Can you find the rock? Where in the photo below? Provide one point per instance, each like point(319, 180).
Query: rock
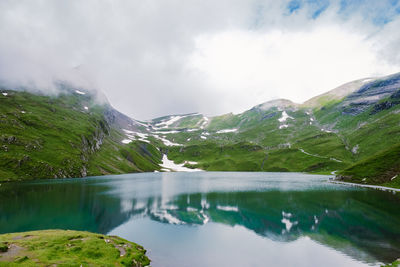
point(370, 94)
point(354, 150)
point(268, 116)
point(383, 106)
point(355, 108)
point(23, 160)
point(11, 139)
point(395, 95)
point(83, 171)
point(35, 145)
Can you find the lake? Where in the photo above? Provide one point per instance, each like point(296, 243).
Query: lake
point(218, 218)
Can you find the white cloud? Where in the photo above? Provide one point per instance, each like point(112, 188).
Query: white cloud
point(250, 67)
point(157, 57)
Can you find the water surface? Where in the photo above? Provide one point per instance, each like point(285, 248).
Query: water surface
point(218, 218)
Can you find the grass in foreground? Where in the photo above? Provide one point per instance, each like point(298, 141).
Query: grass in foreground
point(69, 248)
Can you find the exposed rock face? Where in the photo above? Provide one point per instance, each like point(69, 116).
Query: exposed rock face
point(93, 143)
point(396, 95)
point(354, 109)
point(271, 115)
point(337, 93)
point(8, 139)
point(370, 94)
point(118, 120)
point(383, 106)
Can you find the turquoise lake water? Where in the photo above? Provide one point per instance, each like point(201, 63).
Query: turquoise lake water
point(218, 218)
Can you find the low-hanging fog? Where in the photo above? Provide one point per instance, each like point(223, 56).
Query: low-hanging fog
point(153, 58)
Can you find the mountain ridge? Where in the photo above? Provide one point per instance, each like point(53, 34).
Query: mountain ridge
point(327, 133)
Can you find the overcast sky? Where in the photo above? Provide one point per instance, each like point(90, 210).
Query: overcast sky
point(158, 57)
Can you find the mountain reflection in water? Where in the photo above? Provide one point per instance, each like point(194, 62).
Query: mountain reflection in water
point(360, 223)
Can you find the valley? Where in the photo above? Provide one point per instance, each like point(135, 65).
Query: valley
point(344, 131)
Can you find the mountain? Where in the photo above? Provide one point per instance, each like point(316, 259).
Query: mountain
point(68, 135)
point(72, 135)
point(336, 94)
point(327, 133)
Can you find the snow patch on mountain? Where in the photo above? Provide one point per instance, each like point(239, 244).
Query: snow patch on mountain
point(204, 123)
point(165, 141)
point(191, 162)
point(284, 117)
point(169, 165)
point(283, 120)
point(227, 131)
point(166, 132)
point(354, 150)
point(135, 136)
point(172, 120)
point(141, 123)
point(80, 92)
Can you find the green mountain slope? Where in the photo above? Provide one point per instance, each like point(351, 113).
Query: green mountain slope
point(328, 133)
point(71, 135)
point(382, 168)
point(68, 135)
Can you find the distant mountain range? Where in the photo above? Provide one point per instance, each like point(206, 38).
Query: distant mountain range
point(352, 131)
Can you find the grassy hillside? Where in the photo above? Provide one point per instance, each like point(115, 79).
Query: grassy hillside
point(64, 136)
point(69, 248)
point(71, 135)
point(382, 168)
point(259, 140)
point(328, 133)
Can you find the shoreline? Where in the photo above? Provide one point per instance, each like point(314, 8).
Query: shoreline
point(376, 187)
point(2, 182)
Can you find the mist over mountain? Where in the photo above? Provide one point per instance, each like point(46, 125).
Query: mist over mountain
point(74, 134)
point(152, 58)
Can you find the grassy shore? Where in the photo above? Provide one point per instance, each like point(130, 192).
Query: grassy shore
point(69, 248)
point(380, 169)
point(394, 264)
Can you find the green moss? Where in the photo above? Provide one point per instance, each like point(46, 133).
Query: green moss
point(70, 248)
